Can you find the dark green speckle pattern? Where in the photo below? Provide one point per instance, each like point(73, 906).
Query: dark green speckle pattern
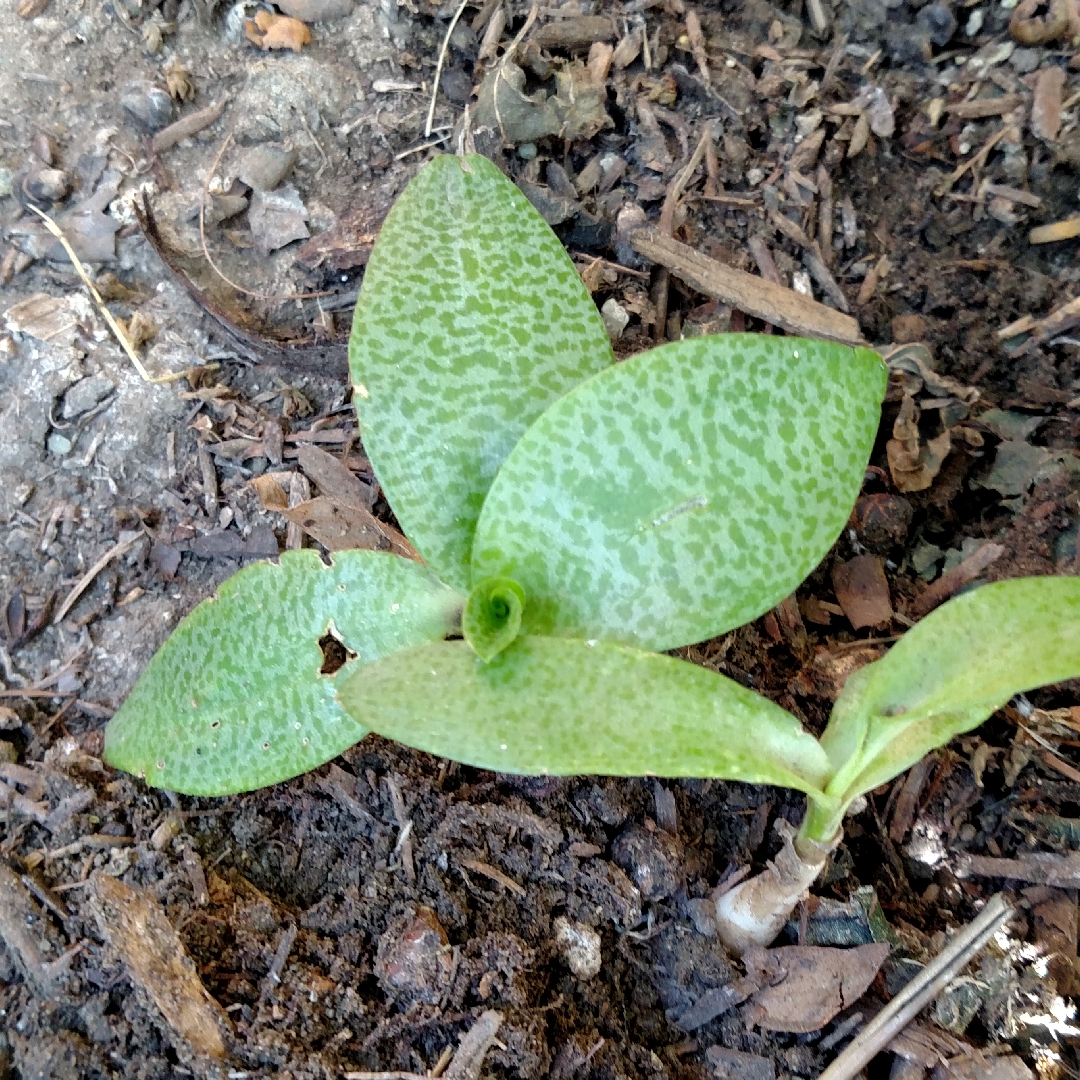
point(685, 491)
point(566, 708)
point(471, 321)
point(234, 700)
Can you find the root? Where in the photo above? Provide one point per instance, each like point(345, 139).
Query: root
point(756, 910)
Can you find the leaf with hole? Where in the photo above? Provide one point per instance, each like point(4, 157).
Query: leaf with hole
point(685, 491)
point(563, 707)
point(235, 699)
point(472, 321)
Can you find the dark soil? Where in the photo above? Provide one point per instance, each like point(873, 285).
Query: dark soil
point(364, 916)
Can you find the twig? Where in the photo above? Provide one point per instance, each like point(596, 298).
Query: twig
point(83, 583)
point(956, 578)
point(438, 66)
point(494, 874)
point(976, 159)
point(764, 300)
point(106, 314)
point(922, 989)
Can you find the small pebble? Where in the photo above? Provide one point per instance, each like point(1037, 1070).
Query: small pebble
point(616, 318)
point(58, 444)
point(412, 960)
point(649, 860)
point(580, 946)
point(702, 914)
point(46, 185)
point(148, 105)
point(939, 23)
point(265, 166)
point(1025, 60)
point(310, 11)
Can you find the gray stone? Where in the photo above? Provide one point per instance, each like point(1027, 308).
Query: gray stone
point(264, 167)
point(58, 443)
point(85, 394)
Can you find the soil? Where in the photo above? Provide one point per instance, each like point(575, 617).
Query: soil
point(364, 917)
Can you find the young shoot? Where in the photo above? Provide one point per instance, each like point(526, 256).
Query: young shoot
point(577, 518)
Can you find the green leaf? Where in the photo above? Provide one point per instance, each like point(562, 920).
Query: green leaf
point(948, 673)
point(492, 616)
point(564, 707)
point(684, 491)
point(234, 700)
point(471, 321)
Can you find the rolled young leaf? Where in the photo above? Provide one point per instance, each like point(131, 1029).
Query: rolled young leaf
point(471, 321)
point(492, 616)
point(563, 707)
point(948, 673)
point(684, 491)
point(234, 700)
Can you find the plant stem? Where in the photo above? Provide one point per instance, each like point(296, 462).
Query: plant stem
point(820, 824)
point(755, 911)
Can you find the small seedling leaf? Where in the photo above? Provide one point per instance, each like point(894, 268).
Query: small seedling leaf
point(472, 320)
point(949, 673)
point(565, 707)
point(235, 699)
point(492, 616)
point(684, 491)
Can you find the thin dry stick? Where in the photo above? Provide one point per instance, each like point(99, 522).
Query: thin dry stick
point(81, 585)
point(438, 66)
point(933, 978)
point(105, 312)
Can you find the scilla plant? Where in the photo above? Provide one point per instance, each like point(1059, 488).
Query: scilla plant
point(577, 518)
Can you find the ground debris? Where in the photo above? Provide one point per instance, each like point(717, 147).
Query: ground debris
point(806, 986)
point(158, 964)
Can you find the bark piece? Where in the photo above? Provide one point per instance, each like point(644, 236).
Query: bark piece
point(1037, 867)
point(333, 479)
point(782, 307)
point(155, 958)
point(735, 1065)
point(815, 983)
point(1046, 108)
point(862, 591)
point(18, 916)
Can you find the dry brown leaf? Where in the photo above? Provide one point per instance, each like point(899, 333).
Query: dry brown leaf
point(811, 984)
point(178, 82)
point(271, 494)
point(914, 466)
point(339, 527)
point(270, 31)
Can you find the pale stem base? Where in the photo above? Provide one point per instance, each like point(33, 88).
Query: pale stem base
point(756, 910)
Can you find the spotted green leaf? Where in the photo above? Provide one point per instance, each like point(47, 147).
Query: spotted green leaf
point(234, 700)
point(565, 707)
point(948, 673)
point(684, 491)
point(471, 321)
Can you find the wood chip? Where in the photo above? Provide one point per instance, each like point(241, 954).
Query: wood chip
point(158, 964)
point(763, 299)
point(187, 126)
point(863, 591)
point(1068, 229)
point(1046, 107)
point(571, 33)
point(494, 874)
point(956, 578)
point(980, 108)
point(1038, 867)
point(333, 479)
point(18, 917)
